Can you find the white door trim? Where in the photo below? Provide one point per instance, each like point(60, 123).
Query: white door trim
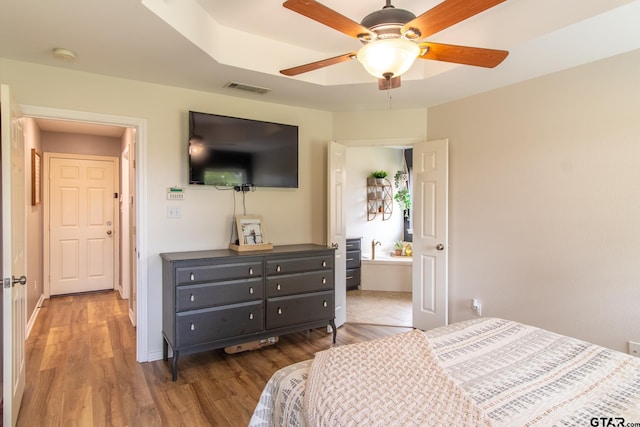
point(47, 214)
point(142, 333)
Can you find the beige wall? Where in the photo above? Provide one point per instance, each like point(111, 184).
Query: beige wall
point(545, 201)
point(74, 143)
point(378, 126)
point(290, 215)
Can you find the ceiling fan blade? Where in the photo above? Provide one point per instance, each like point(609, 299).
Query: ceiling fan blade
point(446, 14)
point(392, 83)
point(318, 64)
point(329, 17)
point(477, 56)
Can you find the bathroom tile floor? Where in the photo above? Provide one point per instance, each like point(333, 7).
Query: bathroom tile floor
point(379, 308)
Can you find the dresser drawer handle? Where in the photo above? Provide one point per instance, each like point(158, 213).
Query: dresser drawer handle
point(349, 245)
point(193, 326)
point(278, 287)
point(192, 298)
point(250, 316)
point(348, 259)
point(324, 263)
point(279, 311)
point(251, 272)
point(349, 277)
point(251, 290)
point(324, 303)
point(278, 268)
point(192, 277)
point(324, 281)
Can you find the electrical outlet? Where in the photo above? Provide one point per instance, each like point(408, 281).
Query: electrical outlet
point(634, 348)
point(476, 306)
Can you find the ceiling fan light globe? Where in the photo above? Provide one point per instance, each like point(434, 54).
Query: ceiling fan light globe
point(388, 57)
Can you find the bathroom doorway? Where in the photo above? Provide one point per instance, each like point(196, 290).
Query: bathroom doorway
point(383, 296)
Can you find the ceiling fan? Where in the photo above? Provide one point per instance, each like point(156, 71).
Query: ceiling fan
point(391, 38)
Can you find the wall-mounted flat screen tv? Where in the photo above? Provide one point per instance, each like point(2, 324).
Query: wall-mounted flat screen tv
point(231, 151)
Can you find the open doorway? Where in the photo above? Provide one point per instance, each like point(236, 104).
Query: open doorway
point(130, 280)
point(383, 293)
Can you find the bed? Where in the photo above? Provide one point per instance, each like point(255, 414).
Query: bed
point(511, 374)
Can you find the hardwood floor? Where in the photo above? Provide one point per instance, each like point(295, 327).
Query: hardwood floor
point(81, 370)
point(379, 308)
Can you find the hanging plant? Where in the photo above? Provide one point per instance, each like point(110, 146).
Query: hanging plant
point(403, 197)
point(400, 178)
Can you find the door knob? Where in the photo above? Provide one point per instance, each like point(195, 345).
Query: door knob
point(440, 247)
point(21, 280)
point(109, 232)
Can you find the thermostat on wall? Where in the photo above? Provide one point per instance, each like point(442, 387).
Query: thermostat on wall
point(175, 193)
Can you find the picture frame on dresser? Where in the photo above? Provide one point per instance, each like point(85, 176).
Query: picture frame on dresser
point(250, 230)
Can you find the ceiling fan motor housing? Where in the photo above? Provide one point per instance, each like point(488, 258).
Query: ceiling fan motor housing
point(387, 22)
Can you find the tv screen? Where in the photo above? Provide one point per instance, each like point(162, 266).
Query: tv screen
point(230, 151)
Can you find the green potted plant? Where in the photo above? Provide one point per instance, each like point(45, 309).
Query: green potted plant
point(379, 176)
point(403, 197)
point(398, 247)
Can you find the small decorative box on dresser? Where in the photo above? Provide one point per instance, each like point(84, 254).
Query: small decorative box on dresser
point(219, 298)
point(353, 262)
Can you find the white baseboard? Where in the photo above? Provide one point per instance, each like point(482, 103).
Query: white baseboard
point(34, 315)
point(156, 355)
point(132, 317)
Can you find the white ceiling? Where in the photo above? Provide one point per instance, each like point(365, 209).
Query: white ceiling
point(203, 44)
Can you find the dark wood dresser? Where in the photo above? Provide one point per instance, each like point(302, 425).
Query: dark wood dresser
point(220, 298)
point(354, 257)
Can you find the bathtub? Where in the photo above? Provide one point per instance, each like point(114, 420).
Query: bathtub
point(386, 273)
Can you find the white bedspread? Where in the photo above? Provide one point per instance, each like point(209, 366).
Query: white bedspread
point(517, 374)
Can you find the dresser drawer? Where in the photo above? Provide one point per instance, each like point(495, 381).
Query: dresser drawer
point(296, 265)
point(353, 244)
point(297, 309)
point(190, 297)
point(353, 259)
point(288, 284)
point(201, 326)
point(218, 272)
point(353, 278)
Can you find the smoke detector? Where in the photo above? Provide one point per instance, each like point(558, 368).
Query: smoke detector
point(65, 54)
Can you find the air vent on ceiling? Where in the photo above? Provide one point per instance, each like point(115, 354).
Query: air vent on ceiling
point(247, 88)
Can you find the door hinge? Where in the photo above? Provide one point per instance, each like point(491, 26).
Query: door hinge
point(7, 282)
point(115, 195)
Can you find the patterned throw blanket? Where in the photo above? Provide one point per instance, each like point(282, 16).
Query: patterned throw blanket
point(387, 382)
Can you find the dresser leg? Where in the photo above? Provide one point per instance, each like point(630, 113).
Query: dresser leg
point(174, 370)
point(165, 349)
point(335, 330)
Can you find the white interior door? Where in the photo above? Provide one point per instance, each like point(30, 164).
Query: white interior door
point(83, 217)
point(430, 233)
point(336, 227)
point(14, 316)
